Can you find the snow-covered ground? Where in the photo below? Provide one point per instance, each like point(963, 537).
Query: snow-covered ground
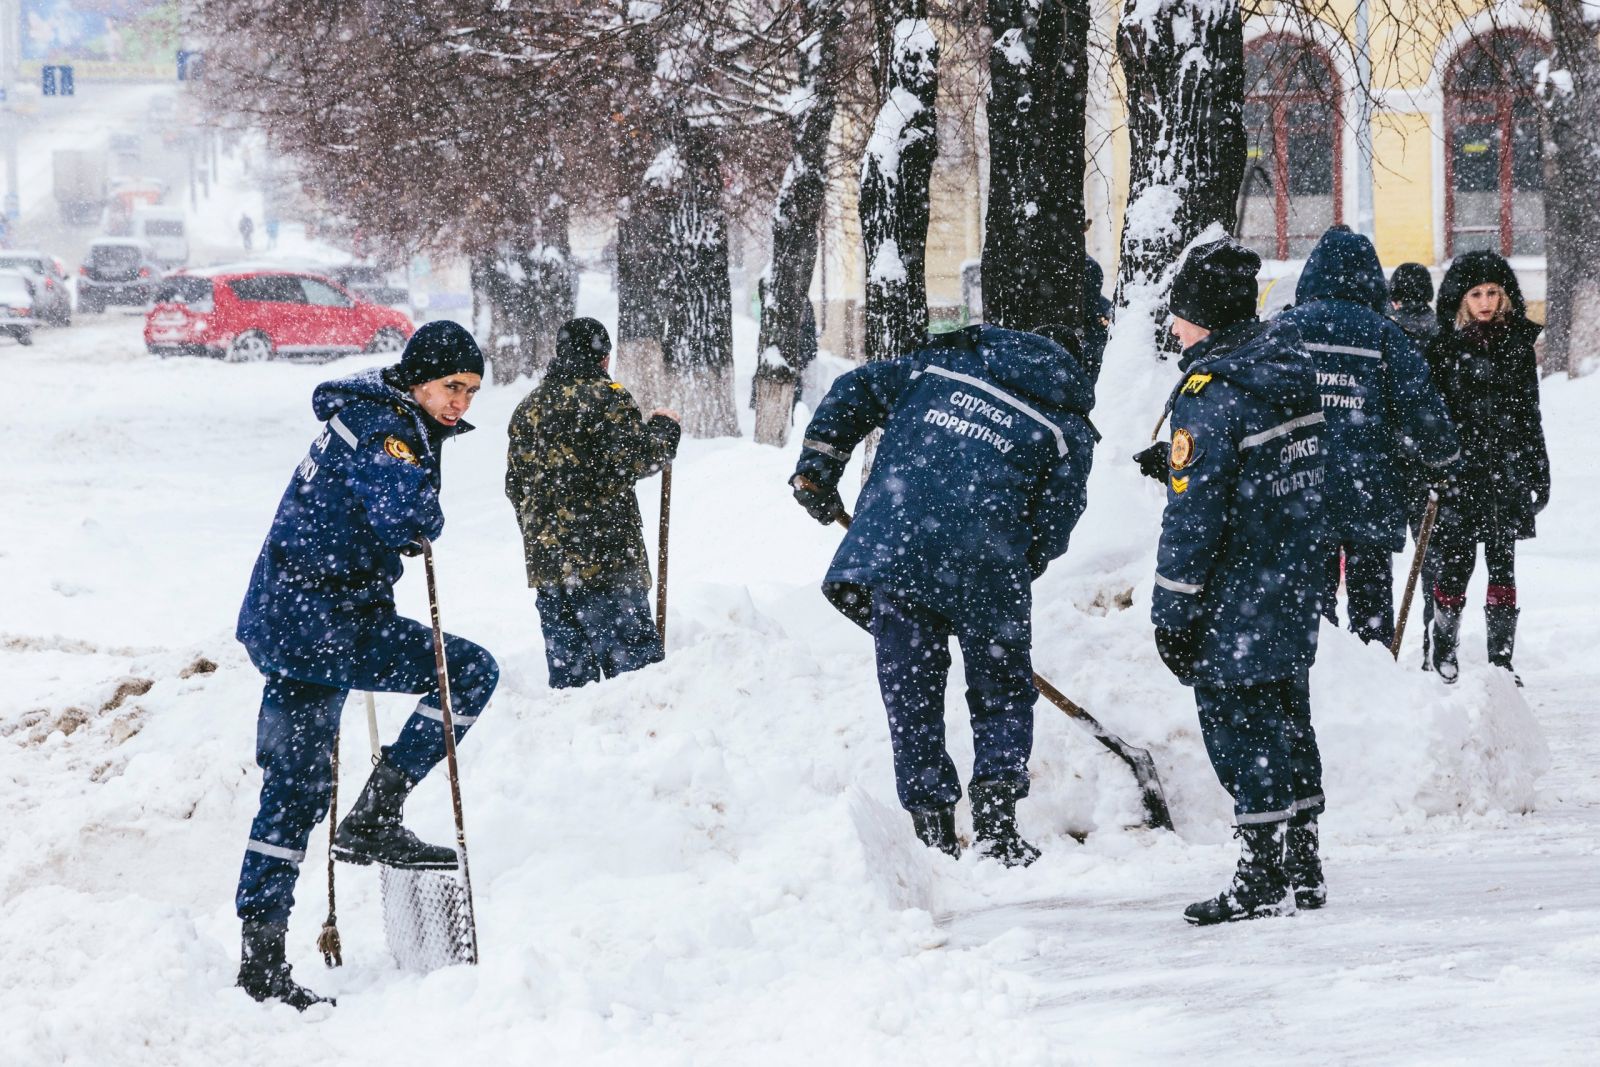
point(703, 863)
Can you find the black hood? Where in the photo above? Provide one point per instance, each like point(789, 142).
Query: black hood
point(1467, 273)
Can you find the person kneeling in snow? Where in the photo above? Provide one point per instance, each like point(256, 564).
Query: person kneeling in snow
point(319, 620)
point(978, 481)
point(1236, 601)
point(577, 446)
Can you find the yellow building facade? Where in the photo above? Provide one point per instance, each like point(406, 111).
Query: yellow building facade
point(1455, 153)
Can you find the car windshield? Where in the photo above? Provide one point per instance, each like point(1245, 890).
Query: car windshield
point(193, 293)
point(269, 288)
point(360, 276)
point(14, 290)
point(114, 257)
point(163, 227)
point(22, 263)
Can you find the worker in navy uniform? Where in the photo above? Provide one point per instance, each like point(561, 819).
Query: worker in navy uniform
point(319, 620)
point(1385, 421)
point(1235, 604)
point(976, 485)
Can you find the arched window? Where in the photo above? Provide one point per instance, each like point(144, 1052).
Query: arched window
point(1292, 187)
point(1494, 170)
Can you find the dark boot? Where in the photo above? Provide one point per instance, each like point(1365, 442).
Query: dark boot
point(1260, 886)
point(936, 828)
point(994, 823)
point(1502, 623)
point(263, 972)
point(1446, 635)
point(1305, 864)
point(371, 832)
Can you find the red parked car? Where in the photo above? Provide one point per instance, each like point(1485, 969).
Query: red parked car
point(248, 315)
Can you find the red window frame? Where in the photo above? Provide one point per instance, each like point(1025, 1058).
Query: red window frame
point(1279, 101)
point(1502, 100)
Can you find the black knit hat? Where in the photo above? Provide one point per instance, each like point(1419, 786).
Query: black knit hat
point(1411, 284)
point(1216, 285)
point(437, 350)
point(582, 346)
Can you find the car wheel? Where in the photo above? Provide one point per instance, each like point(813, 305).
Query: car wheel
point(24, 337)
point(386, 340)
point(86, 306)
point(252, 346)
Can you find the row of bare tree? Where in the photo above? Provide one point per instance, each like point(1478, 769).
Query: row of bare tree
point(486, 127)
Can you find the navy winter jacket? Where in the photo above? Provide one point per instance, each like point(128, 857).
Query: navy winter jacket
point(977, 482)
point(1384, 414)
point(1240, 562)
point(368, 487)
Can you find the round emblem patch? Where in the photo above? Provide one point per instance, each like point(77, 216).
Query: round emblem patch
point(400, 450)
point(1182, 449)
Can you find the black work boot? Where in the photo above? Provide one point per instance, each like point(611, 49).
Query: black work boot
point(1304, 864)
point(936, 828)
point(1502, 624)
point(371, 832)
point(263, 972)
point(994, 823)
point(1260, 886)
point(1446, 635)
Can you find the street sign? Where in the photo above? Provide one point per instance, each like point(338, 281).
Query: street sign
point(56, 80)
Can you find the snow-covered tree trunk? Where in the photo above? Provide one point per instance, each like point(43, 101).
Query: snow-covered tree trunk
point(1571, 93)
point(1184, 65)
point(637, 362)
point(697, 297)
point(1033, 250)
point(895, 172)
point(788, 335)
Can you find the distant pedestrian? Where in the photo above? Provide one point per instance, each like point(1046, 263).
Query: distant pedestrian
point(1239, 568)
point(1484, 363)
point(272, 231)
point(577, 446)
point(247, 230)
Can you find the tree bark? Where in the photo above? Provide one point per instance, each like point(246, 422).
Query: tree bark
point(640, 238)
point(1572, 200)
point(1184, 65)
point(788, 334)
point(1033, 251)
point(895, 173)
point(697, 304)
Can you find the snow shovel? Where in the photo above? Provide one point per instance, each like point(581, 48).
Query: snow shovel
point(661, 556)
point(1138, 759)
point(428, 916)
point(1429, 514)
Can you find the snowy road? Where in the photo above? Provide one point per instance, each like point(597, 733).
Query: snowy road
point(702, 863)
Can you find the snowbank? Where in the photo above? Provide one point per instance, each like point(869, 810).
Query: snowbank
point(697, 863)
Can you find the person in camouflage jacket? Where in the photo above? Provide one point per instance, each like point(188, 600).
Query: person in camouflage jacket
point(577, 445)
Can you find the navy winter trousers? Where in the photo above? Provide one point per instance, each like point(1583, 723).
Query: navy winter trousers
point(591, 632)
point(1262, 746)
point(1369, 590)
point(295, 734)
point(913, 644)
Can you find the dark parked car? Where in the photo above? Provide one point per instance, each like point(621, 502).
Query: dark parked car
point(16, 306)
point(53, 299)
point(117, 270)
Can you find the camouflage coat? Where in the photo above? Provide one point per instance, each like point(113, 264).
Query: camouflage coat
point(577, 445)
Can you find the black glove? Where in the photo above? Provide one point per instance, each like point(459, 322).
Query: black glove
point(1541, 497)
point(1178, 651)
point(1153, 461)
point(821, 504)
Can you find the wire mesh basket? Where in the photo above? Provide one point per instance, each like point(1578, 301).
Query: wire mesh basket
point(427, 918)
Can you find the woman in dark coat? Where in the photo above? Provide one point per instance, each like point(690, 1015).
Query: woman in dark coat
point(1483, 364)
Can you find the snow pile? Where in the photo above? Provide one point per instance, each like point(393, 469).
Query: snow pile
point(700, 862)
